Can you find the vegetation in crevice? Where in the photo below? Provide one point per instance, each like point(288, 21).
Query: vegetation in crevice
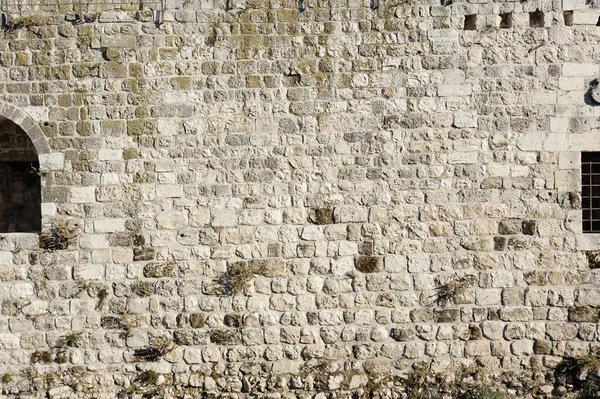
point(21, 22)
point(583, 373)
point(453, 290)
point(238, 277)
point(102, 295)
point(155, 351)
point(71, 340)
point(60, 236)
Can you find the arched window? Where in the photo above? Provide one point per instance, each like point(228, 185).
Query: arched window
point(20, 187)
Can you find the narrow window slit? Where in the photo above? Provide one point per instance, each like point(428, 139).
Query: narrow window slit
point(506, 20)
point(470, 22)
point(568, 17)
point(536, 19)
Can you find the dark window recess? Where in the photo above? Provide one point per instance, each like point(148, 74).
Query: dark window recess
point(20, 189)
point(536, 19)
point(598, 23)
point(19, 197)
point(590, 191)
point(568, 17)
point(506, 20)
point(470, 22)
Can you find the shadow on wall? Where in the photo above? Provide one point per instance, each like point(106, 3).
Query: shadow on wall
point(592, 96)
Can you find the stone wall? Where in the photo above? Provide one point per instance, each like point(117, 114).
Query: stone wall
point(261, 190)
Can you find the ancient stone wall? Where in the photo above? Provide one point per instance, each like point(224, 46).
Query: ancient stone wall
point(233, 195)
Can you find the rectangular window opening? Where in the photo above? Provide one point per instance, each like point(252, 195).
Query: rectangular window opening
point(506, 20)
point(568, 17)
point(470, 22)
point(590, 191)
point(536, 19)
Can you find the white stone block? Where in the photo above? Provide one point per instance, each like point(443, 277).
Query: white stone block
point(568, 180)
point(584, 142)
point(168, 127)
point(88, 272)
point(463, 157)
point(465, 120)
point(580, 69)
point(570, 83)
point(569, 160)
point(6, 258)
point(585, 17)
point(223, 218)
point(559, 125)
point(443, 35)
point(110, 155)
point(22, 290)
point(48, 209)
point(9, 341)
point(109, 225)
point(169, 191)
point(93, 241)
point(454, 90)
point(171, 220)
point(83, 195)
point(531, 141)
point(52, 161)
point(498, 170)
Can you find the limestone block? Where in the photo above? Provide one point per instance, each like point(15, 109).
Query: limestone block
point(169, 191)
point(109, 225)
point(561, 331)
point(51, 161)
point(194, 355)
point(93, 241)
point(110, 155)
point(585, 17)
point(569, 160)
point(81, 195)
point(516, 313)
point(223, 218)
point(171, 220)
point(580, 69)
point(88, 272)
point(22, 290)
point(477, 348)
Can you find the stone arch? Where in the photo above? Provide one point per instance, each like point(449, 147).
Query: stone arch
point(24, 154)
point(29, 126)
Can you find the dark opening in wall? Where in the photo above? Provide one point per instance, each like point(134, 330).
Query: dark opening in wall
point(536, 19)
point(20, 188)
point(598, 23)
point(568, 17)
point(470, 22)
point(506, 20)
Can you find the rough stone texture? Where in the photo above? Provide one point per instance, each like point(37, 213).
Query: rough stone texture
point(354, 160)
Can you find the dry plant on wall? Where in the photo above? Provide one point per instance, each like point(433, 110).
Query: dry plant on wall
point(239, 276)
point(453, 290)
point(60, 236)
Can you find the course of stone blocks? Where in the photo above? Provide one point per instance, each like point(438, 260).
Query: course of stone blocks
point(238, 191)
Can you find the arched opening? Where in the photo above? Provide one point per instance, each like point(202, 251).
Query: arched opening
point(20, 183)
